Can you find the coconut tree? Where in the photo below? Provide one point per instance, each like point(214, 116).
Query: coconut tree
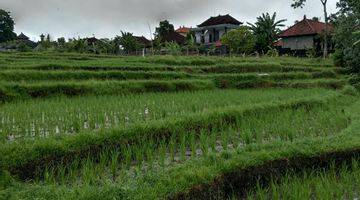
point(266, 30)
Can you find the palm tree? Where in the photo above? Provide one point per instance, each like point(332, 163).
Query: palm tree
point(266, 30)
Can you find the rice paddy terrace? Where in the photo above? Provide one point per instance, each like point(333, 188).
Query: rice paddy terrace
point(102, 127)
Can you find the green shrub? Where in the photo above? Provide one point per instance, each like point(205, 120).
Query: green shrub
point(352, 58)
point(338, 58)
point(272, 52)
point(173, 48)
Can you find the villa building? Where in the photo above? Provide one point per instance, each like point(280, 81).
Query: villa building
point(210, 31)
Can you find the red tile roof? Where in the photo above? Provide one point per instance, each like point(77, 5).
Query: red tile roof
point(306, 27)
point(221, 19)
point(183, 29)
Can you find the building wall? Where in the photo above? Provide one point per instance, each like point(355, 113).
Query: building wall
point(221, 32)
point(207, 35)
point(298, 43)
point(198, 37)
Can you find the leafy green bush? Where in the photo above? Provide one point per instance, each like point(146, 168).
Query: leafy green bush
point(272, 52)
point(173, 48)
point(352, 59)
point(338, 57)
point(239, 41)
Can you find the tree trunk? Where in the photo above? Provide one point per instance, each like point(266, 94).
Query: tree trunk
point(324, 2)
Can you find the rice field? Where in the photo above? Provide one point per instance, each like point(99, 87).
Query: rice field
point(104, 127)
point(335, 183)
point(46, 117)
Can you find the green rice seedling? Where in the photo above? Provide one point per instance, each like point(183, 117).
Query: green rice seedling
point(213, 140)
point(225, 139)
point(139, 155)
point(88, 174)
point(127, 154)
point(104, 158)
point(162, 154)
point(172, 148)
point(247, 136)
point(149, 152)
point(58, 117)
point(49, 176)
point(193, 144)
point(73, 170)
point(183, 147)
point(114, 165)
point(61, 174)
point(338, 182)
point(204, 142)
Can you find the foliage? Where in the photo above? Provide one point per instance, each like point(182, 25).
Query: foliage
point(6, 27)
point(45, 43)
point(164, 28)
point(347, 23)
point(239, 41)
point(272, 52)
point(311, 53)
point(173, 48)
point(338, 57)
point(77, 45)
point(127, 42)
point(61, 44)
point(191, 43)
point(352, 59)
point(266, 30)
point(23, 47)
point(357, 34)
point(104, 46)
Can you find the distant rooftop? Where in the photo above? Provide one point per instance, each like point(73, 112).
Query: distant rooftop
point(174, 37)
point(142, 40)
point(306, 27)
point(183, 30)
point(22, 36)
point(221, 19)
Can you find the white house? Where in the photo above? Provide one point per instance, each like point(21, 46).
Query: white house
point(210, 31)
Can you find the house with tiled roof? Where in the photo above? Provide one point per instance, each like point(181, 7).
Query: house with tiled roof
point(143, 41)
point(182, 30)
point(304, 35)
point(210, 31)
point(174, 37)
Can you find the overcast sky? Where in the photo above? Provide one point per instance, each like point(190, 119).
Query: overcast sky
point(106, 18)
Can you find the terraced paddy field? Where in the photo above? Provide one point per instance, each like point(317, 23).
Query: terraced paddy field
point(103, 127)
